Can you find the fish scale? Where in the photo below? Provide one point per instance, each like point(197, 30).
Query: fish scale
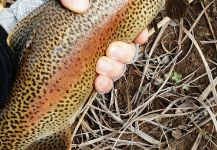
point(56, 70)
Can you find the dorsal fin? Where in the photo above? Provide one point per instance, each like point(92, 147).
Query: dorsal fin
point(57, 141)
point(176, 9)
point(23, 30)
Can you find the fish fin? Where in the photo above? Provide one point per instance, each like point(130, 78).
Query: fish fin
point(176, 9)
point(57, 141)
point(23, 31)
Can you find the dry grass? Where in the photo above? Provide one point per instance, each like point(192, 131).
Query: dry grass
point(154, 106)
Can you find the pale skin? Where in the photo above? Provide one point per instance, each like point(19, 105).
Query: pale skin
point(118, 53)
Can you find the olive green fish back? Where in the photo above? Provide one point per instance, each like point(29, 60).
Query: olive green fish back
point(57, 70)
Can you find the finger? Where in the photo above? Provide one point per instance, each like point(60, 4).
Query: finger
point(121, 52)
point(103, 84)
point(78, 6)
point(142, 37)
point(110, 68)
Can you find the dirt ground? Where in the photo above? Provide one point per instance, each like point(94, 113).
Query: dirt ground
point(190, 63)
point(175, 133)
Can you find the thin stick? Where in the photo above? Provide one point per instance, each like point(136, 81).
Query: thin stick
point(204, 61)
point(210, 25)
point(87, 107)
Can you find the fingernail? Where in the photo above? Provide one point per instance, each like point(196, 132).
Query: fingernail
point(116, 51)
point(142, 37)
point(104, 65)
point(111, 68)
point(103, 84)
point(121, 52)
point(124, 70)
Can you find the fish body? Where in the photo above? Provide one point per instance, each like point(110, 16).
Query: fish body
point(56, 71)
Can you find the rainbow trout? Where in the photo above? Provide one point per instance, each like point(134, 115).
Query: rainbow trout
point(57, 67)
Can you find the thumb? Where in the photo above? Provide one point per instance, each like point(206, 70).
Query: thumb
point(78, 6)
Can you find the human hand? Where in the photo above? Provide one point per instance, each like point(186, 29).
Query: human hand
point(112, 66)
point(118, 53)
